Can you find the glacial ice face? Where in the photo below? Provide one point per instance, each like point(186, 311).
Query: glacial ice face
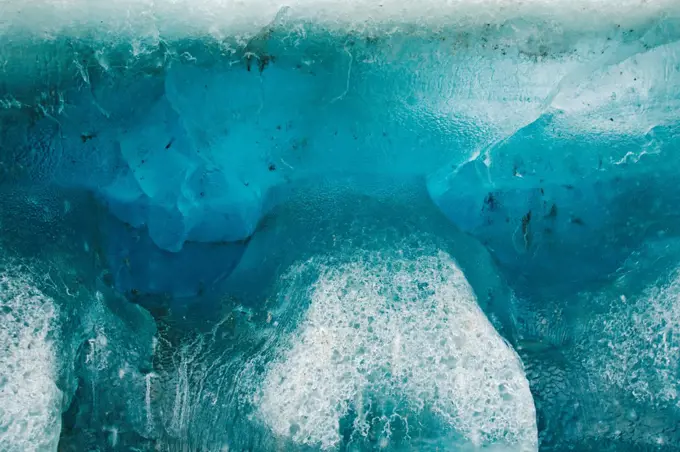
point(201, 199)
point(186, 141)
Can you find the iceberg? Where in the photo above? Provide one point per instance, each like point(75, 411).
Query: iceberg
point(322, 225)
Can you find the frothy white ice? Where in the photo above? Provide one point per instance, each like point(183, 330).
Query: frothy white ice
point(640, 340)
point(30, 401)
point(407, 329)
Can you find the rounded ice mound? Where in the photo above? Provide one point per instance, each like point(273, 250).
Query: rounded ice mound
point(390, 340)
point(30, 401)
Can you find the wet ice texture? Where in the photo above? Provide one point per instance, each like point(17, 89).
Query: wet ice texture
point(545, 134)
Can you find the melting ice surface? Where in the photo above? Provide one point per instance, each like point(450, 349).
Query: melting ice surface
point(359, 225)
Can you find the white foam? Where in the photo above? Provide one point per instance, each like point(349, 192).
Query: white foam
point(219, 17)
point(30, 401)
point(390, 327)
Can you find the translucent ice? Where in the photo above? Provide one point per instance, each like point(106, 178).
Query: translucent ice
point(349, 225)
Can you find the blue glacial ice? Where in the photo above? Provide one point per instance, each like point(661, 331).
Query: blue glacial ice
point(346, 226)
